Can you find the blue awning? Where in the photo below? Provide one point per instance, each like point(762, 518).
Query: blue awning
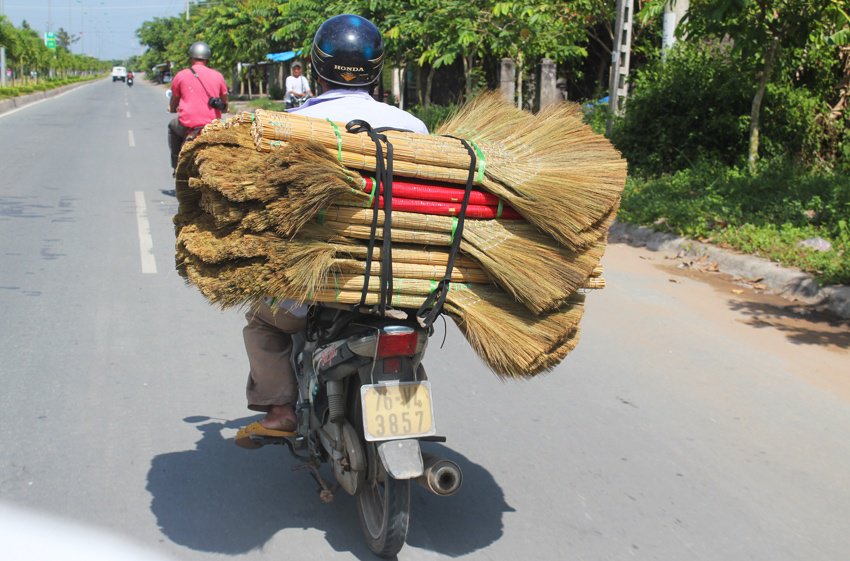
point(282, 57)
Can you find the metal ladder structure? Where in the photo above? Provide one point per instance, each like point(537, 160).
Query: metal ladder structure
point(620, 54)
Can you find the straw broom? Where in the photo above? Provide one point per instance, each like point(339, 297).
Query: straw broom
point(307, 264)
point(313, 181)
point(511, 253)
point(341, 186)
point(234, 137)
point(565, 200)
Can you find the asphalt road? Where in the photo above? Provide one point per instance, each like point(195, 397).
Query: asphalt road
point(692, 422)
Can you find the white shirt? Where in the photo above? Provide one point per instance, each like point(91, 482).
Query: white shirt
point(346, 104)
point(298, 85)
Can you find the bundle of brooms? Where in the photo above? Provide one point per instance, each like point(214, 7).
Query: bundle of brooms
point(284, 210)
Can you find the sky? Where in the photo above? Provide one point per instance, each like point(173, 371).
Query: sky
point(108, 27)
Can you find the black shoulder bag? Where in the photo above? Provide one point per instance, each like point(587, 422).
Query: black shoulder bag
point(214, 102)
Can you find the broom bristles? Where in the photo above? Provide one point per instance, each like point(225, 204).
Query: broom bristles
point(511, 342)
point(565, 178)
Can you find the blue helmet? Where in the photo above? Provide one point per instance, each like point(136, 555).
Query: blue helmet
point(348, 51)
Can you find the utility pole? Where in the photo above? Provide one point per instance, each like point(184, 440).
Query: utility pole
point(674, 11)
point(620, 54)
point(187, 10)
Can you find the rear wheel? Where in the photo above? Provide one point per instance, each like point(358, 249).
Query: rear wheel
point(383, 507)
point(383, 503)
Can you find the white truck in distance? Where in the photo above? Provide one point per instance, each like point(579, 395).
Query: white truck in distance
point(119, 73)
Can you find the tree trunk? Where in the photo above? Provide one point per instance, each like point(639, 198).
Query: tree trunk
point(840, 106)
point(428, 82)
point(419, 87)
point(468, 62)
point(402, 85)
point(755, 113)
point(519, 68)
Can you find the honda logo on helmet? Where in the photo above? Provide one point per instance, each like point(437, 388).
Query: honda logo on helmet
point(349, 68)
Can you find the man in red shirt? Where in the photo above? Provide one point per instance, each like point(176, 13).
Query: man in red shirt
point(198, 95)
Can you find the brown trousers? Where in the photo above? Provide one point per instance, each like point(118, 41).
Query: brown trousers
point(268, 342)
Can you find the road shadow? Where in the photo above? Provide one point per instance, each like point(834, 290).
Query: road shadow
point(801, 324)
point(222, 499)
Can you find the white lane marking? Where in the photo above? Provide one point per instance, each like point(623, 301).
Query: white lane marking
point(28, 105)
point(128, 114)
point(131, 138)
point(145, 240)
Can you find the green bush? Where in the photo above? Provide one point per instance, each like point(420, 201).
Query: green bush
point(795, 126)
point(766, 214)
point(691, 107)
point(276, 92)
point(596, 115)
point(433, 115)
point(44, 85)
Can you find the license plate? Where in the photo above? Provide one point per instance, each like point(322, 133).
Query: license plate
point(398, 410)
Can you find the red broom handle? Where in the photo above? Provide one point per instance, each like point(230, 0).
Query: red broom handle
point(434, 192)
point(443, 208)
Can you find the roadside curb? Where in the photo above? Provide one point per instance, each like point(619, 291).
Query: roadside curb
point(788, 283)
point(20, 101)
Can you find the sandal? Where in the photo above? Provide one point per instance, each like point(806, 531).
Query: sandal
point(252, 435)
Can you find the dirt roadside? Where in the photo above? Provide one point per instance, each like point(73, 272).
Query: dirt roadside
point(815, 343)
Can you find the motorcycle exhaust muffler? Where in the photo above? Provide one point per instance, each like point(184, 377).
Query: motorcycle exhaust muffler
point(441, 477)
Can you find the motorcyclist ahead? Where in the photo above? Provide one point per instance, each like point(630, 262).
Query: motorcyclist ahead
point(198, 96)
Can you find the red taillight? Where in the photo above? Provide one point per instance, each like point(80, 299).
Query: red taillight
point(392, 365)
point(397, 344)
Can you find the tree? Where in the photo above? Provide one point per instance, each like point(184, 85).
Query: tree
point(64, 39)
point(527, 32)
point(766, 32)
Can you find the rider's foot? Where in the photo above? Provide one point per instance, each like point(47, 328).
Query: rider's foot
point(280, 417)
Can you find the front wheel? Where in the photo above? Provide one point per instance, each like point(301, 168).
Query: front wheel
point(383, 507)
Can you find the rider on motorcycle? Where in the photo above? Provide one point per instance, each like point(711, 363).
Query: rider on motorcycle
point(198, 96)
point(297, 88)
point(347, 58)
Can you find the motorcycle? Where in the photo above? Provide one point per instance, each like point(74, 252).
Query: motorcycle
point(297, 101)
point(130, 80)
point(364, 406)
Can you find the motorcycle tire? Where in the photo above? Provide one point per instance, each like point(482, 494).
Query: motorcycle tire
point(383, 504)
point(383, 508)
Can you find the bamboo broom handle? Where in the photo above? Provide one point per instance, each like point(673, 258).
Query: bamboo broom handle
point(372, 298)
point(398, 235)
point(419, 256)
point(594, 283)
point(415, 271)
point(401, 285)
point(404, 286)
point(407, 146)
point(404, 220)
point(366, 162)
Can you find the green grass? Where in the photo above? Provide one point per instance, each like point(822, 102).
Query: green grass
point(266, 103)
point(765, 215)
